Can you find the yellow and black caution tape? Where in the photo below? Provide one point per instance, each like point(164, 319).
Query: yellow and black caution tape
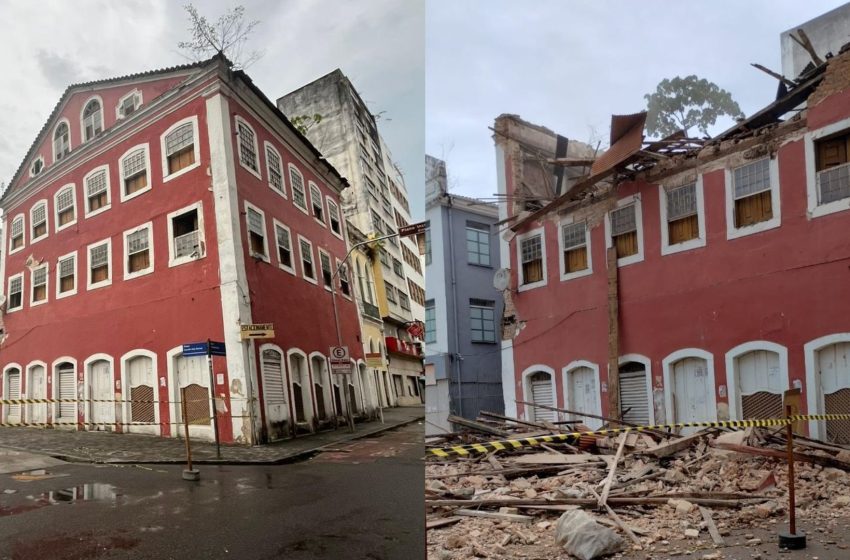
point(59, 401)
point(572, 437)
point(196, 421)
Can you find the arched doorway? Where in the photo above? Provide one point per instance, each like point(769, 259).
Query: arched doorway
point(541, 391)
point(635, 405)
point(758, 380)
point(581, 389)
point(833, 369)
point(689, 387)
point(274, 393)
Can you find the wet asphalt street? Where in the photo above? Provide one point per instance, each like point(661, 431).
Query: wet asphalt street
point(360, 501)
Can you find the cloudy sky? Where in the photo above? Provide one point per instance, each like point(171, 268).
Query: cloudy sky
point(569, 65)
point(378, 44)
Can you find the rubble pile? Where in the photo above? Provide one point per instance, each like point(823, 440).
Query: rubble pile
point(636, 492)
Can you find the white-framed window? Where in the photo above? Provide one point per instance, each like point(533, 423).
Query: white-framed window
point(16, 234)
point(574, 243)
point(138, 251)
point(65, 206)
point(482, 320)
point(180, 149)
point(66, 275)
point(624, 230)
point(531, 254)
point(274, 169)
point(128, 104)
point(91, 119)
point(296, 183)
point(247, 143)
point(37, 166)
point(61, 140)
point(38, 221)
point(327, 273)
point(316, 203)
point(15, 293)
point(752, 198)
point(477, 243)
point(99, 264)
point(344, 279)
point(134, 170)
point(186, 235)
point(828, 169)
point(334, 217)
point(97, 191)
point(682, 211)
point(285, 254)
point(255, 222)
point(308, 268)
point(38, 285)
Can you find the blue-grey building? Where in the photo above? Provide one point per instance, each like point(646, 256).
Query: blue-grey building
point(462, 308)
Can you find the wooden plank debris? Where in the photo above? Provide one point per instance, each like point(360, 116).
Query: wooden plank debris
point(712, 528)
point(441, 522)
point(512, 517)
point(607, 488)
point(478, 426)
point(672, 447)
point(625, 528)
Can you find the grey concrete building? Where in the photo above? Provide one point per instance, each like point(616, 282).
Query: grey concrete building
point(462, 328)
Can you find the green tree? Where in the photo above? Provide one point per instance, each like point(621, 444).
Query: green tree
point(683, 103)
point(305, 122)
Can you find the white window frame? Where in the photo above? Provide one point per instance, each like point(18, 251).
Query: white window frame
point(809, 140)
point(268, 146)
point(23, 233)
point(196, 148)
point(108, 281)
point(315, 279)
point(34, 240)
point(73, 291)
point(733, 232)
point(53, 137)
point(267, 256)
point(82, 123)
point(609, 241)
point(56, 227)
point(281, 225)
point(256, 173)
point(177, 261)
point(135, 93)
point(321, 271)
point(108, 205)
point(9, 291)
point(521, 287)
point(145, 271)
point(700, 240)
point(328, 203)
point(121, 185)
point(339, 266)
point(290, 167)
point(568, 221)
point(46, 285)
point(310, 186)
point(32, 165)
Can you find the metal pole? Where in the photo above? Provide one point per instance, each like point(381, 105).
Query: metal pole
point(348, 415)
point(189, 473)
point(212, 400)
point(792, 514)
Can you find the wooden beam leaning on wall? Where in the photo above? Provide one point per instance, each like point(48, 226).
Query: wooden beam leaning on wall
point(613, 336)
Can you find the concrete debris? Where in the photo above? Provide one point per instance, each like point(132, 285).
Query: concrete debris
point(584, 538)
point(696, 494)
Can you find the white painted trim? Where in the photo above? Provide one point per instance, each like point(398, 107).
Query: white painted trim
point(609, 242)
point(195, 430)
point(569, 368)
point(526, 387)
point(700, 240)
point(8, 291)
point(733, 232)
point(32, 166)
point(732, 374)
point(239, 120)
point(126, 411)
point(56, 227)
point(284, 371)
point(53, 138)
point(174, 261)
point(89, 213)
point(60, 295)
point(196, 148)
point(666, 367)
point(268, 146)
point(566, 221)
point(102, 283)
point(321, 251)
point(289, 269)
point(328, 390)
point(130, 275)
point(817, 210)
point(6, 417)
point(122, 185)
point(309, 407)
point(519, 239)
point(313, 188)
point(99, 99)
point(340, 218)
point(266, 257)
point(314, 279)
point(292, 167)
point(814, 391)
point(28, 393)
point(53, 379)
point(647, 366)
point(46, 284)
point(87, 394)
point(23, 233)
point(34, 240)
point(137, 93)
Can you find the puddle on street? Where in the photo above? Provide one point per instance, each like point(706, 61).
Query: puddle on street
point(94, 491)
point(37, 474)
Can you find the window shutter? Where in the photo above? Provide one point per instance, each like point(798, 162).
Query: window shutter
point(134, 163)
point(65, 200)
point(137, 242)
point(681, 202)
point(752, 178)
point(623, 220)
point(96, 184)
point(39, 276)
point(255, 222)
point(66, 267)
point(18, 227)
point(99, 256)
point(180, 138)
point(573, 235)
point(39, 214)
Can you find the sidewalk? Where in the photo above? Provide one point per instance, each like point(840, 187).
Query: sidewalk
point(106, 447)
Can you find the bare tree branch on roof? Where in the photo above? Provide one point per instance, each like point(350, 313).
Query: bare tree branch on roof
point(228, 35)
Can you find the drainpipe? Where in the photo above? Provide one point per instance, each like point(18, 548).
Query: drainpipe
point(453, 268)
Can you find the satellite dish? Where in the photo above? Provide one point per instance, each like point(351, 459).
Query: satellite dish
point(502, 279)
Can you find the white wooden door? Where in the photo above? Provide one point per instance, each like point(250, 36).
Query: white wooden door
point(541, 393)
point(833, 363)
point(274, 393)
point(37, 389)
point(692, 393)
point(633, 397)
point(760, 384)
point(67, 391)
point(101, 390)
point(584, 396)
point(13, 392)
point(193, 375)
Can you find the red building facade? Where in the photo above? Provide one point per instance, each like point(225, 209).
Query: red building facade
point(732, 273)
point(161, 209)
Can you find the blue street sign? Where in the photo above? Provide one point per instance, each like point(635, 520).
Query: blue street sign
point(217, 348)
point(195, 349)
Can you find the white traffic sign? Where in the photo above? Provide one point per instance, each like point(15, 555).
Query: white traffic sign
point(340, 360)
point(340, 353)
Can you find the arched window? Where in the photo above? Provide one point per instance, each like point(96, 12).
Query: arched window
point(92, 120)
point(180, 148)
point(61, 141)
point(65, 204)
